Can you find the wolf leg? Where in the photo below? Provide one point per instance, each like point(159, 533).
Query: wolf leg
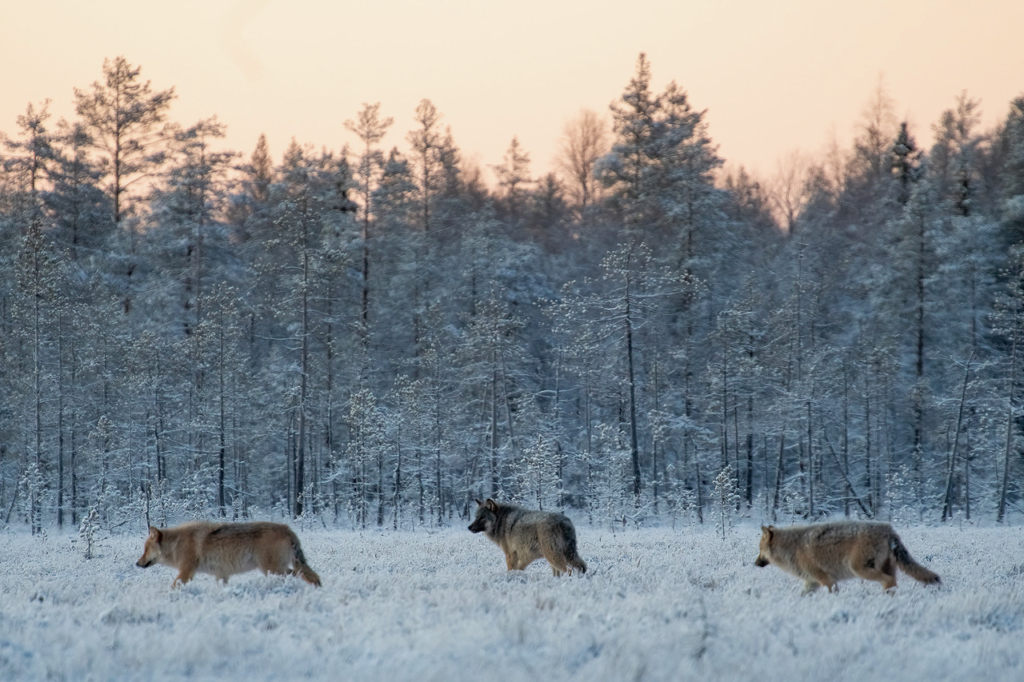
point(823, 578)
point(272, 564)
point(185, 573)
point(816, 579)
point(872, 565)
point(278, 569)
point(558, 565)
point(279, 560)
point(557, 561)
point(525, 559)
point(887, 579)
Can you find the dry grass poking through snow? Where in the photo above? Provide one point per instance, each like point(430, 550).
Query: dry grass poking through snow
point(657, 604)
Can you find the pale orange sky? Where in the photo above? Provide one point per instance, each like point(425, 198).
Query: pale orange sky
point(775, 76)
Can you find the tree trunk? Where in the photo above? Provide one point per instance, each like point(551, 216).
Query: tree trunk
point(778, 475)
point(947, 511)
point(60, 420)
point(810, 466)
point(300, 468)
point(919, 368)
point(1011, 384)
point(221, 452)
point(750, 451)
point(494, 425)
point(633, 443)
point(35, 503)
point(397, 500)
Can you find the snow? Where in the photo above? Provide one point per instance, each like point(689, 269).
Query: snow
point(656, 604)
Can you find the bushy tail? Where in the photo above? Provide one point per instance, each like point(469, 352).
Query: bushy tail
point(572, 558)
point(911, 567)
point(578, 563)
point(301, 568)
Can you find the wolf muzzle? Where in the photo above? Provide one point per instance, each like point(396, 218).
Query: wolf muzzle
point(761, 562)
point(143, 564)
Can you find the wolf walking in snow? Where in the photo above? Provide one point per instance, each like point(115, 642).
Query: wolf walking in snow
point(225, 549)
point(526, 536)
point(825, 553)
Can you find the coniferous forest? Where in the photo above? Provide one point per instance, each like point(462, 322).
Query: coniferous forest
point(372, 337)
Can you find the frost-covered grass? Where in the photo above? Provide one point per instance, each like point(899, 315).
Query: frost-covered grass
point(657, 604)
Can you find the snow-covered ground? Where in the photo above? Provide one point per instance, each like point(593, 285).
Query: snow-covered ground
point(657, 604)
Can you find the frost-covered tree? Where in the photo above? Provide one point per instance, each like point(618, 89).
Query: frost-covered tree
point(395, 196)
point(906, 162)
point(426, 143)
point(123, 117)
point(370, 128)
point(954, 155)
point(584, 141)
point(78, 208)
point(513, 175)
point(609, 350)
point(31, 152)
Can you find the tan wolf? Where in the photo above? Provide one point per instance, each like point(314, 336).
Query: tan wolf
point(526, 536)
point(825, 553)
point(224, 549)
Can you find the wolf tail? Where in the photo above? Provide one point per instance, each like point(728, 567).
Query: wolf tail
point(572, 557)
point(301, 568)
point(909, 566)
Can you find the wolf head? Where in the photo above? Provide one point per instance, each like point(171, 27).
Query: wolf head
point(486, 516)
point(764, 557)
point(152, 552)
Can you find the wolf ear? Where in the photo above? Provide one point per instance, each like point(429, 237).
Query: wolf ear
point(769, 531)
point(155, 534)
point(478, 502)
point(491, 505)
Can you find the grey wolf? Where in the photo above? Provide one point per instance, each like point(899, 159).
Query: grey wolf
point(225, 549)
point(526, 536)
point(825, 553)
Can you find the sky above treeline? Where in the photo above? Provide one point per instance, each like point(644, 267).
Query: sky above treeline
point(775, 76)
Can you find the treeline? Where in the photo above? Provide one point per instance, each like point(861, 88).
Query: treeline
point(377, 337)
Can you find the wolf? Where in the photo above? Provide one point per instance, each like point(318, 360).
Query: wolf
point(526, 536)
point(825, 553)
point(225, 549)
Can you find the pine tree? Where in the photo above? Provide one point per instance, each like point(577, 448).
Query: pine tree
point(79, 209)
point(33, 152)
point(954, 155)
point(584, 142)
point(123, 116)
point(426, 142)
point(906, 162)
point(370, 128)
point(513, 176)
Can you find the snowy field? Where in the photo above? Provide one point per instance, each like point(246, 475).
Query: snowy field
point(657, 604)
